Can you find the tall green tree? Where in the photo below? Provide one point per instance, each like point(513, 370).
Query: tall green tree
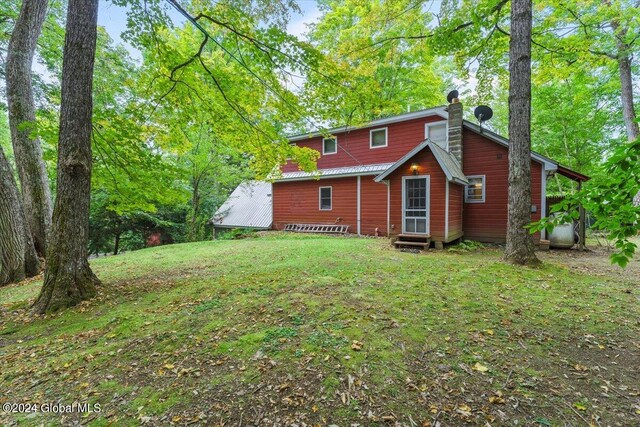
point(68, 276)
point(520, 248)
point(369, 70)
point(34, 181)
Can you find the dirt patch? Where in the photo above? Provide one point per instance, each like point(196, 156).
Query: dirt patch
point(595, 262)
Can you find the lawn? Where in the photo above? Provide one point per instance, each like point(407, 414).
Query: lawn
point(309, 330)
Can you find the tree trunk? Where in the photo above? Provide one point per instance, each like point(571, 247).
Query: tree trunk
point(18, 258)
point(68, 276)
point(36, 194)
point(116, 246)
point(626, 81)
point(520, 248)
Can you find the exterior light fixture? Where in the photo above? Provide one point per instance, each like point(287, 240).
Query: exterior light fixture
point(414, 168)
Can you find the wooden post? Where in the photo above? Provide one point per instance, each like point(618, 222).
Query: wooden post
point(581, 224)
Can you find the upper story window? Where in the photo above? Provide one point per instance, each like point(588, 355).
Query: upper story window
point(378, 138)
point(329, 146)
point(438, 132)
point(324, 196)
point(474, 192)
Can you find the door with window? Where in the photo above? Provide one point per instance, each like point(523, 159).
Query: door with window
point(415, 206)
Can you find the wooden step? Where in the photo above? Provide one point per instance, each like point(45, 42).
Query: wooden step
point(405, 243)
point(415, 236)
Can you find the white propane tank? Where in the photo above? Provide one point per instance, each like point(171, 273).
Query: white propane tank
point(562, 236)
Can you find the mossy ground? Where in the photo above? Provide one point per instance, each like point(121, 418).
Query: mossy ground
point(261, 331)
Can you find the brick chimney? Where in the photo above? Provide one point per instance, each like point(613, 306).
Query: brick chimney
point(455, 129)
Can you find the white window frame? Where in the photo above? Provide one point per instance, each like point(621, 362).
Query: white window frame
point(446, 131)
point(484, 185)
point(386, 137)
point(320, 198)
point(324, 153)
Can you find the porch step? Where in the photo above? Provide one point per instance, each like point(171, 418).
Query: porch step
point(415, 240)
point(404, 243)
point(317, 228)
point(415, 236)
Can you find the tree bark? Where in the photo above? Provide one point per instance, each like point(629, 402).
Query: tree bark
point(68, 276)
point(520, 248)
point(34, 181)
point(626, 83)
point(18, 258)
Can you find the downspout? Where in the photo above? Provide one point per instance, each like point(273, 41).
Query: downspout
point(388, 183)
point(446, 214)
point(358, 206)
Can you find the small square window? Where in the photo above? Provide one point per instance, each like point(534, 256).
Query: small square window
point(378, 138)
point(474, 192)
point(325, 198)
point(329, 146)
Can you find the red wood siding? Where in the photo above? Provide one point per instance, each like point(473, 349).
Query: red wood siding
point(488, 221)
point(354, 145)
point(456, 199)
point(298, 202)
point(373, 206)
point(428, 165)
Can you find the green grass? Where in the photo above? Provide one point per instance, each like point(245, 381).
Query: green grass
point(262, 330)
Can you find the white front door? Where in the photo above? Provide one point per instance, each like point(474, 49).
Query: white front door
point(415, 204)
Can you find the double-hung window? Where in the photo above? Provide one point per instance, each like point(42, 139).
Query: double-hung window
point(438, 132)
point(378, 138)
point(325, 198)
point(474, 192)
point(329, 146)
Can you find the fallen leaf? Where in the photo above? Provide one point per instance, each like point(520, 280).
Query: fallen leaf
point(479, 367)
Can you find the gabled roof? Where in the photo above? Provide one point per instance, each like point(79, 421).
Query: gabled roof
point(549, 165)
point(249, 206)
point(435, 111)
point(334, 172)
point(447, 162)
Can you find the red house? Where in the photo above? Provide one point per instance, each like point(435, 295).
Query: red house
point(427, 174)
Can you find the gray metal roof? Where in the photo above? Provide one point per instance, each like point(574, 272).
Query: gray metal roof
point(549, 165)
point(249, 206)
point(447, 162)
point(334, 172)
point(435, 111)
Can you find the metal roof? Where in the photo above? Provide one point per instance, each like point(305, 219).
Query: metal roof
point(447, 162)
point(334, 172)
point(249, 206)
point(435, 111)
point(549, 165)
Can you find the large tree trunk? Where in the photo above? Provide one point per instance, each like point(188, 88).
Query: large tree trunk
point(68, 276)
point(18, 258)
point(520, 248)
point(36, 194)
point(626, 81)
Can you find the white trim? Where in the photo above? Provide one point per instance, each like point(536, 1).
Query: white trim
point(446, 213)
point(320, 198)
point(386, 137)
point(388, 206)
point(326, 153)
point(484, 186)
point(446, 132)
point(543, 201)
point(549, 164)
point(427, 204)
point(436, 150)
point(436, 111)
point(358, 221)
